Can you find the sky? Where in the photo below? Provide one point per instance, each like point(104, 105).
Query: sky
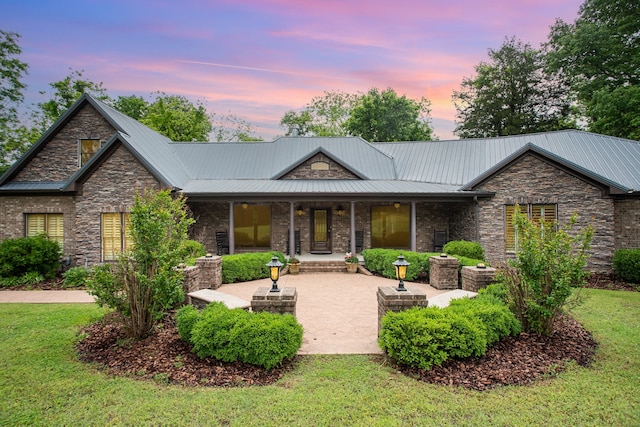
point(258, 59)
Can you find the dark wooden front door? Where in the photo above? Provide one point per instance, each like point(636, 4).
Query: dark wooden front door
point(321, 231)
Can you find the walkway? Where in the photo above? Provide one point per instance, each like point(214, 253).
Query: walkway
point(339, 311)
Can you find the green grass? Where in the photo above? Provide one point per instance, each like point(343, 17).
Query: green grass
point(42, 383)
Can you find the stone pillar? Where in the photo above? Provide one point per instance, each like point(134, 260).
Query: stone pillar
point(443, 272)
point(209, 272)
point(390, 299)
point(475, 278)
point(283, 301)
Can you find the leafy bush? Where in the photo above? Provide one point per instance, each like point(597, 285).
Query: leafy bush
point(29, 254)
point(190, 250)
point(626, 265)
point(464, 248)
point(76, 277)
point(494, 292)
point(30, 278)
point(248, 266)
point(186, 318)
point(423, 337)
point(262, 339)
point(381, 261)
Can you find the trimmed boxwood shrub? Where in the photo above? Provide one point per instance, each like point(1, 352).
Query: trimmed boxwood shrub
point(190, 250)
point(248, 266)
point(380, 261)
point(423, 337)
point(263, 339)
point(76, 277)
point(29, 255)
point(464, 248)
point(626, 265)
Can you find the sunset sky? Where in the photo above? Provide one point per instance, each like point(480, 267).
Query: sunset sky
point(258, 59)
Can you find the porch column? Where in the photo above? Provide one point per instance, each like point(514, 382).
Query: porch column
point(413, 226)
point(352, 228)
point(292, 241)
point(232, 226)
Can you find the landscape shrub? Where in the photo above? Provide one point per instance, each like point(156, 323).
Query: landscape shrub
point(247, 266)
point(626, 265)
point(464, 248)
point(76, 277)
point(381, 261)
point(29, 254)
point(495, 292)
point(423, 337)
point(190, 250)
point(186, 318)
point(26, 279)
point(263, 339)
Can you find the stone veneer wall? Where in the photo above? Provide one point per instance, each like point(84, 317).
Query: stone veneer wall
point(335, 171)
point(58, 159)
point(14, 208)
point(627, 228)
point(111, 188)
point(534, 180)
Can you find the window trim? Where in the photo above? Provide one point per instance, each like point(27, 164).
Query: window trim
point(80, 152)
point(124, 219)
point(46, 216)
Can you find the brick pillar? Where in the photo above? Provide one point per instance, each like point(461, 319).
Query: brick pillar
point(390, 299)
point(209, 272)
point(283, 301)
point(443, 272)
point(474, 278)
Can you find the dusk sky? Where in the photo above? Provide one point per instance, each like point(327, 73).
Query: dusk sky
point(258, 59)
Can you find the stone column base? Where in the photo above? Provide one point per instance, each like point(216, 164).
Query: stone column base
point(390, 299)
point(283, 301)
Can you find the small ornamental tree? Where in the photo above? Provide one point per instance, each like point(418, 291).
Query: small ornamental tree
point(549, 265)
point(144, 284)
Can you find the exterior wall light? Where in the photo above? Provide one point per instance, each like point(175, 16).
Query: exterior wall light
point(340, 211)
point(245, 205)
point(396, 205)
point(401, 272)
point(274, 272)
point(299, 211)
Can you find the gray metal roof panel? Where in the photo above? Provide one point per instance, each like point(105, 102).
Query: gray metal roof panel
point(33, 186)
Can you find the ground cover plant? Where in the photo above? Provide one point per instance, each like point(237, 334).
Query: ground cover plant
point(43, 382)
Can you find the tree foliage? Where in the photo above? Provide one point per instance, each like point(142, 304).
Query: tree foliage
point(324, 115)
point(144, 283)
point(13, 136)
point(599, 55)
point(549, 265)
point(385, 116)
point(510, 95)
point(231, 128)
point(178, 119)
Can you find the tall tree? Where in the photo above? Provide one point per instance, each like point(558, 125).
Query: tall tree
point(599, 55)
point(384, 116)
point(133, 106)
point(324, 115)
point(231, 128)
point(511, 95)
point(13, 139)
point(177, 118)
point(65, 93)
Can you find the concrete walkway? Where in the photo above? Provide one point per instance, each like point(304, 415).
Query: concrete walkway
point(339, 311)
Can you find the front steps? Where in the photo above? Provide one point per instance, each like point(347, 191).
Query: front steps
point(327, 266)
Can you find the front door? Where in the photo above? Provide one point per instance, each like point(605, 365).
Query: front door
point(321, 231)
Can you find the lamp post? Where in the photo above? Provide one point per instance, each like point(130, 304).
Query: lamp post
point(401, 272)
point(274, 272)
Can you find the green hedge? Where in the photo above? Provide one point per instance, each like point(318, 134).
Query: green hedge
point(464, 248)
point(423, 337)
point(248, 266)
point(626, 265)
point(263, 339)
point(29, 255)
point(381, 261)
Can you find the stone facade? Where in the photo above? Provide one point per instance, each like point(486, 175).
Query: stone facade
point(281, 302)
point(533, 180)
point(390, 299)
point(333, 169)
point(58, 159)
point(111, 188)
point(443, 272)
point(474, 278)
point(627, 227)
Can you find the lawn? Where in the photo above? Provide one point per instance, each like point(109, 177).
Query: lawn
point(42, 383)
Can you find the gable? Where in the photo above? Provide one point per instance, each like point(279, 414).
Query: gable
point(56, 158)
point(319, 166)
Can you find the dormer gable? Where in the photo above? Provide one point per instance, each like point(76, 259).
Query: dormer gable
point(318, 165)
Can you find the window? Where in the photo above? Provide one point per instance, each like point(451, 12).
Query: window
point(87, 148)
point(252, 226)
point(319, 166)
point(116, 237)
point(49, 225)
point(390, 226)
point(540, 214)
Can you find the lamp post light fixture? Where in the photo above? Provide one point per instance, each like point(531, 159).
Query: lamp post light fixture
point(401, 272)
point(274, 272)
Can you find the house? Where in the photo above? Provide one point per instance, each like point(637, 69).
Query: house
point(318, 195)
